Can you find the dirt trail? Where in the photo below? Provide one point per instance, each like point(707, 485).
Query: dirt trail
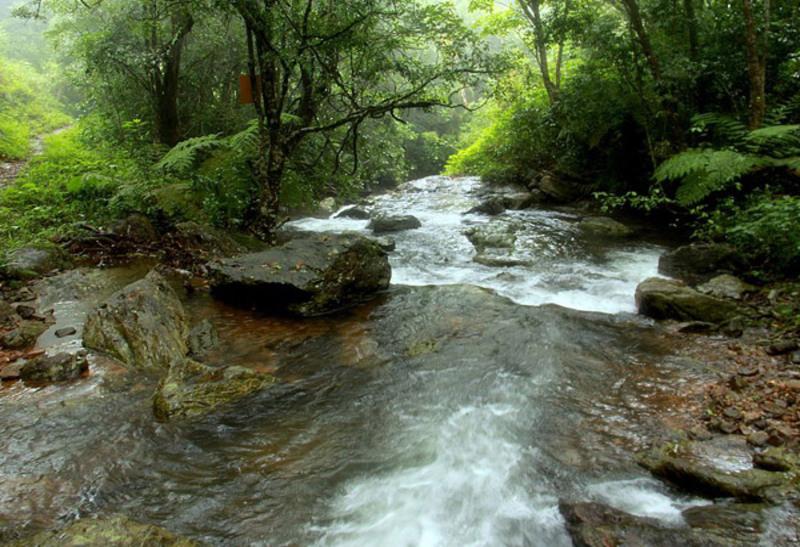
point(10, 170)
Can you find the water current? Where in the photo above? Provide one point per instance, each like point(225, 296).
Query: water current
point(457, 409)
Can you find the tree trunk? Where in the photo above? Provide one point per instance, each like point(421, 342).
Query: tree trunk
point(269, 170)
point(756, 64)
point(167, 78)
point(669, 106)
point(530, 9)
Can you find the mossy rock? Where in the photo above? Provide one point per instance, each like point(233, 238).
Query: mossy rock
point(193, 389)
point(113, 532)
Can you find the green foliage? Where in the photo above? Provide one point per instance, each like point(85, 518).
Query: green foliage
point(182, 157)
point(26, 108)
point(705, 171)
point(14, 138)
point(766, 230)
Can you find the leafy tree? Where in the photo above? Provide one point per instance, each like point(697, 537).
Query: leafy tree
point(316, 67)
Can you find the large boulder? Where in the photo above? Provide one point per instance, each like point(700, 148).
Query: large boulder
point(33, 261)
point(307, 276)
point(112, 532)
point(399, 223)
point(671, 299)
point(498, 233)
point(700, 262)
point(604, 226)
point(192, 389)
point(143, 325)
point(135, 227)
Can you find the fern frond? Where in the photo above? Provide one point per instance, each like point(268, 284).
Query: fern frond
point(679, 166)
point(729, 130)
point(183, 156)
point(778, 141)
point(720, 168)
point(245, 142)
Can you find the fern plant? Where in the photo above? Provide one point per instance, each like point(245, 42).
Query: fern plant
point(739, 152)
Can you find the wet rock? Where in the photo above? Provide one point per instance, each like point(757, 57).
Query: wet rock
point(499, 233)
point(726, 286)
point(27, 262)
point(135, 227)
point(777, 459)
point(354, 212)
point(386, 224)
point(202, 339)
point(54, 368)
point(143, 325)
point(491, 207)
point(699, 263)
point(592, 524)
point(721, 467)
point(386, 243)
point(192, 389)
point(306, 276)
point(604, 226)
point(24, 335)
point(516, 201)
point(671, 299)
point(726, 525)
point(115, 532)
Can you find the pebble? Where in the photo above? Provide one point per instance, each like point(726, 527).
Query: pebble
point(759, 438)
point(68, 331)
point(782, 347)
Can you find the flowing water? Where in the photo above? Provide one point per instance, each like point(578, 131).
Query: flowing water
point(457, 409)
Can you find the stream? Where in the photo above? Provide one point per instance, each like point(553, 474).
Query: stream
point(454, 410)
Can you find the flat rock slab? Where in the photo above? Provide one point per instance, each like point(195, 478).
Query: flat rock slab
point(309, 276)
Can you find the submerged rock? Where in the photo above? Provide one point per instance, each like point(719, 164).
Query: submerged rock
point(700, 262)
point(670, 299)
point(385, 224)
point(604, 226)
point(192, 389)
point(306, 276)
point(143, 325)
point(203, 338)
point(54, 368)
point(116, 532)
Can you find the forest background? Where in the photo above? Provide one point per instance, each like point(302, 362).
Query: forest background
point(686, 112)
